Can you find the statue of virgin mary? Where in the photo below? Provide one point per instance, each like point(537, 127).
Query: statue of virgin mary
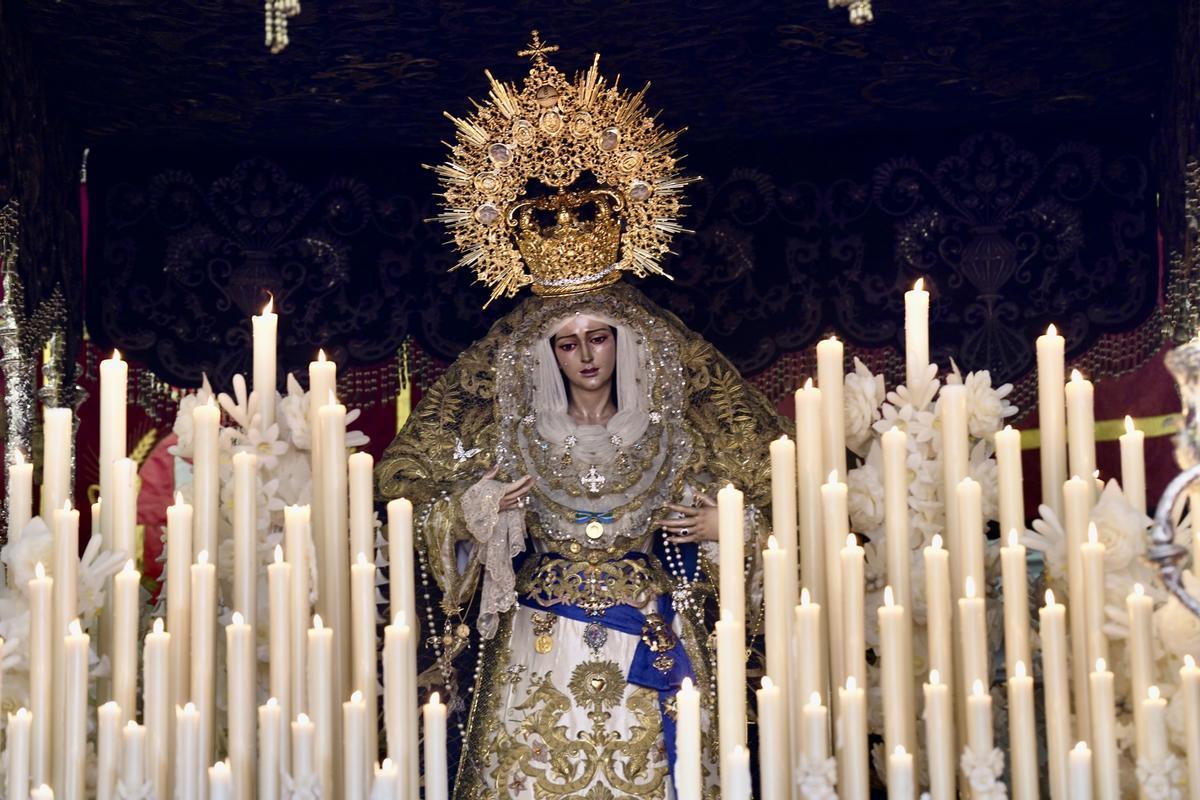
point(562, 470)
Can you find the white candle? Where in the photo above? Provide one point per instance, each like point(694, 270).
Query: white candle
point(333, 600)
point(895, 494)
point(245, 539)
point(264, 328)
point(970, 530)
point(1081, 427)
point(320, 702)
point(810, 673)
point(220, 782)
point(1022, 735)
point(731, 689)
point(738, 766)
point(355, 776)
point(362, 503)
point(1189, 680)
point(1092, 556)
point(896, 679)
point(809, 474)
point(1077, 507)
point(1140, 608)
point(204, 660)
point(399, 702)
point(972, 615)
point(279, 590)
point(1051, 419)
point(17, 775)
point(322, 383)
point(387, 778)
point(126, 586)
point(119, 508)
point(916, 336)
point(773, 746)
point(297, 538)
point(75, 686)
point(156, 706)
point(57, 436)
point(270, 754)
point(1104, 732)
point(41, 668)
point(133, 756)
point(955, 457)
point(1014, 579)
point(1010, 488)
point(304, 772)
point(187, 744)
point(179, 598)
point(1152, 743)
point(1081, 772)
point(20, 495)
point(66, 606)
point(939, 737)
point(937, 603)
point(688, 781)
point(783, 510)
point(434, 715)
point(402, 595)
point(816, 731)
point(240, 682)
point(853, 610)
point(900, 783)
point(979, 720)
point(362, 602)
point(108, 749)
point(206, 422)
point(854, 780)
point(1053, 630)
point(43, 792)
point(831, 378)
point(730, 522)
point(1133, 465)
point(836, 524)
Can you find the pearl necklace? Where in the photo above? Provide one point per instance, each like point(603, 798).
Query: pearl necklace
point(681, 595)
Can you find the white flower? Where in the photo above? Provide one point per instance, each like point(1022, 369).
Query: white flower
point(241, 408)
point(266, 445)
point(920, 399)
point(917, 424)
point(1160, 780)
point(96, 567)
point(1179, 629)
point(863, 394)
point(865, 493)
point(293, 415)
point(1049, 538)
point(183, 420)
point(22, 554)
point(1120, 527)
point(987, 408)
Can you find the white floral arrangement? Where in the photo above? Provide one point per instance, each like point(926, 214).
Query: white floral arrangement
point(871, 411)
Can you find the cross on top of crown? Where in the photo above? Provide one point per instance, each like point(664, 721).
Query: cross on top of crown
point(537, 50)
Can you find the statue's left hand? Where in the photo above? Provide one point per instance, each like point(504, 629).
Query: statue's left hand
point(697, 523)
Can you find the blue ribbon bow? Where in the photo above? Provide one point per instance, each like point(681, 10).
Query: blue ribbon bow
point(583, 517)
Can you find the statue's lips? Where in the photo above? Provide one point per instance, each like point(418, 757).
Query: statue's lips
point(587, 373)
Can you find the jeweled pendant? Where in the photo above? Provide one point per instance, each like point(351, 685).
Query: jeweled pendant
point(543, 644)
point(594, 530)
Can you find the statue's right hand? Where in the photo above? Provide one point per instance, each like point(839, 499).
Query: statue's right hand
point(514, 493)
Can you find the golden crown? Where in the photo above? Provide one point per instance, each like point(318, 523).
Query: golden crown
point(556, 132)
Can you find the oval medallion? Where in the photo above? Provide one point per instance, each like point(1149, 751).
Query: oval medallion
point(594, 530)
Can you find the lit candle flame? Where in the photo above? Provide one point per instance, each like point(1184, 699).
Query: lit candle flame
point(772, 544)
point(1093, 535)
point(851, 683)
point(116, 356)
point(1129, 424)
point(686, 685)
point(1019, 669)
point(1076, 376)
point(128, 568)
point(278, 554)
point(1051, 330)
point(435, 699)
point(317, 623)
point(1049, 597)
point(805, 599)
point(75, 629)
point(977, 688)
point(1153, 693)
point(356, 697)
point(900, 751)
point(362, 558)
point(39, 571)
point(272, 702)
point(321, 354)
point(889, 599)
point(969, 587)
point(832, 477)
point(1138, 589)
point(158, 625)
point(202, 557)
point(814, 699)
point(919, 286)
point(269, 308)
point(808, 384)
point(767, 683)
point(936, 542)
point(851, 542)
point(18, 457)
point(935, 677)
point(1081, 747)
point(1189, 662)
point(1101, 666)
point(238, 619)
point(301, 718)
point(1013, 539)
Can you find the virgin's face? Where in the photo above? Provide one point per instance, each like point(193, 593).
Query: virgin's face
point(586, 350)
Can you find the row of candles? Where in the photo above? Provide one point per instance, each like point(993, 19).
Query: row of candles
point(316, 662)
point(814, 593)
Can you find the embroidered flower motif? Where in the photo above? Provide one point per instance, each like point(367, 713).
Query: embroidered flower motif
point(655, 417)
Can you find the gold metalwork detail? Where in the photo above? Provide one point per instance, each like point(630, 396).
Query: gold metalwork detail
point(592, 587)
point(543, 626)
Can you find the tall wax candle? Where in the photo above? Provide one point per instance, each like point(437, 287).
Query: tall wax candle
point(355, 776)
point(133, 757)
point(916, 337)
point(853, 781)
point(304, 772)
point(362, 608)
point(1189, 681)
point(1014, 579)
point(20, 495)
point(955, 457)
point(854, 639)
point(204, 661)
point(738, 767)
point(322, 384)
point(972, 615)
point(220, 781)
point(783, 527)
point(297, 538)
point(333, 601)
point(57, 436)
point(17, 774)
point(126, 586)
point(43, 792)
point(836, 524)
point(1022, 735)
point(179, 598)
point(156, 707)
point(206, 426)
point(970, 530)
point(1081, 427)
point(895, 495)
point(900, 780)
point(270, 756)
point(816, 732)
point(810, 670)
point(1081, 772)
point(937, 604)
point(279, 591)
point(731, 690)
point(119, 508)
point(1077, 507)
point(1010, 489)
point(108, 749)
point(240, 683)
point(688, 781)
point(780, 609)
point(979, 719)
point(245, 539)
point(433, 714)
point(1052, 418)
point(730, 525)
point(1152, 742)
point(1140, 608)
point(399, 702)
point(1133, 465)
point(41, 668)
point(809, 474)
point(320, 703)
point(1092, 558)
point(362, 503)
point(264, 327)
point(187, 767)
point(1053, 631)
point(66, 606)
point(899, 719)
point(400, 558)
point(831, 378)
point(773, 746)
point(1104, 733)
point(75, 716)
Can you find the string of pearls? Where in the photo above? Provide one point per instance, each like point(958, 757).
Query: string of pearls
point(277, 14)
